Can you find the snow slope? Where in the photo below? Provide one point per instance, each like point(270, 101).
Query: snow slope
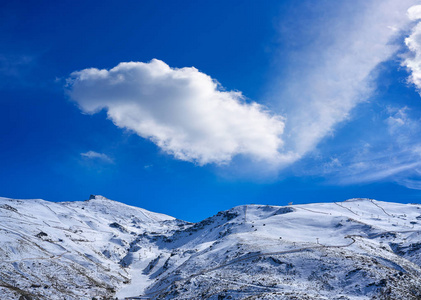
point(357, 249)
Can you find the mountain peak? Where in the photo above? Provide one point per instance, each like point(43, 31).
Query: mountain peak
point(358, 199)
point(97, 197)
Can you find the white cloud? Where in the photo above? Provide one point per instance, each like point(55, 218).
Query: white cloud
point(184, 111)
point(414, 12)
point(96, 155)
point(337, 72)
point(413, 59)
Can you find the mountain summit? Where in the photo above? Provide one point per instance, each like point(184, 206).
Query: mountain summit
point(103, 249)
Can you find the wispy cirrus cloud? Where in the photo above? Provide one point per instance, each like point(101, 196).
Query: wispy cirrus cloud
point(394, 156)
point(14, 68)
point(96, 155)
point(335, 72)
point(343, 74)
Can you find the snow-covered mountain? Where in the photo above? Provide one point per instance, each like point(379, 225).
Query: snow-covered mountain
point(103, 249)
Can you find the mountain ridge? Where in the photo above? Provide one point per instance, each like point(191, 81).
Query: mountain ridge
point(104, 249)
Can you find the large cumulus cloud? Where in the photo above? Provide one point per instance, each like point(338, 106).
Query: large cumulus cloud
point(183, 111)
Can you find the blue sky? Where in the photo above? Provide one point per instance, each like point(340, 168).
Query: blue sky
point(188, 108)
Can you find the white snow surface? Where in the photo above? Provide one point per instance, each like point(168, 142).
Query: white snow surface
point(103, 249)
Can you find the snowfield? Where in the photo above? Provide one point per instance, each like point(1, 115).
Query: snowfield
point(103, 249)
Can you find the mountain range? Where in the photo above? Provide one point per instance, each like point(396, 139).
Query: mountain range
point(104, 249)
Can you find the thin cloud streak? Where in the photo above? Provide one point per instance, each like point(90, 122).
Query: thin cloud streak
point(95, 155)
point(395, 158)
point(371, 172)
